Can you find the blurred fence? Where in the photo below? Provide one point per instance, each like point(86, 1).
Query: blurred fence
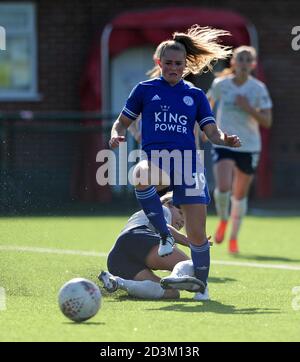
point(48, 163)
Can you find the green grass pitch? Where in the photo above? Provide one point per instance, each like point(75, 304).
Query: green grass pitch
point(247, 303)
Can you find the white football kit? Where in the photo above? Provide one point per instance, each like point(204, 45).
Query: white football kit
point(231, 118)
point(140, 219)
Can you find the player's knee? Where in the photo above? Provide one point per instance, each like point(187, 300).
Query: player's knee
point(158, 176)
point(224, 187)
point(140, 175)
point(145, 175)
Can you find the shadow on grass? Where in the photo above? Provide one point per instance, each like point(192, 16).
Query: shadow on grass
point(221, 280)
point(265, 258)
point(86, 323)
point(212, 307)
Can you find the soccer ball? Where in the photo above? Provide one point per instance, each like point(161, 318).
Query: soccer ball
point(79, 299)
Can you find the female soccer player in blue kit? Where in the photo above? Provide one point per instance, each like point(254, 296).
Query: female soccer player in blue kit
point(170, 107)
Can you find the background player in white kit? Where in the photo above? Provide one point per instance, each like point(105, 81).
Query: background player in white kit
point(243, 105)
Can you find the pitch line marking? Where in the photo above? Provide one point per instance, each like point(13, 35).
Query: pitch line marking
point(256, 265)
point(2, 299)
point(30, 249)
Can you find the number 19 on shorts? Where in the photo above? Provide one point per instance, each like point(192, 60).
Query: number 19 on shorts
point(199, 182)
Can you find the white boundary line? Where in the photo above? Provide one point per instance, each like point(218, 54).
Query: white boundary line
point(2, 299)
point(30, 249)
point(256, 265)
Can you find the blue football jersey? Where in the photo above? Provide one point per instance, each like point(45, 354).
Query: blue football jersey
point(168, 113)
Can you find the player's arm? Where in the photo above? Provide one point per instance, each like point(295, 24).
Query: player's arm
point(179, 238)
point(263, 116)
point(218, 137)
point(212, 104)
point(118, 130)
point(207, 121)
point(197, 135)
point(130, 113)
point(134, 129)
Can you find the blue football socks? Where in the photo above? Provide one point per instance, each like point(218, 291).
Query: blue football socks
point(201, 260)
point(152, 207)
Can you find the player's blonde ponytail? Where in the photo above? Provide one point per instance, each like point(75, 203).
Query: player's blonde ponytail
point(202, 47)
point(200, 44)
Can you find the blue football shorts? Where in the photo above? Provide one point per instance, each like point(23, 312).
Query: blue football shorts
point(187, 175)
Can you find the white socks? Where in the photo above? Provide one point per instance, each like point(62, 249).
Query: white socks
point(238, 211)
point(145, 289)
point(222, 200)
point(148, 289)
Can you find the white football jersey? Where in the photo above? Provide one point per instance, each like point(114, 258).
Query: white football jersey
point(140, 219)
point(231, 118)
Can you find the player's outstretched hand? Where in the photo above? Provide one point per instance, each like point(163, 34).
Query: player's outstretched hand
point(232, 141)
point(114, 142)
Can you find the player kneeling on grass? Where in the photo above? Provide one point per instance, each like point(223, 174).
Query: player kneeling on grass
point(134, 256)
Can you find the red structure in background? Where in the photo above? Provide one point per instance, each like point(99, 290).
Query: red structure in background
point(84, 186)
point(151, 27)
